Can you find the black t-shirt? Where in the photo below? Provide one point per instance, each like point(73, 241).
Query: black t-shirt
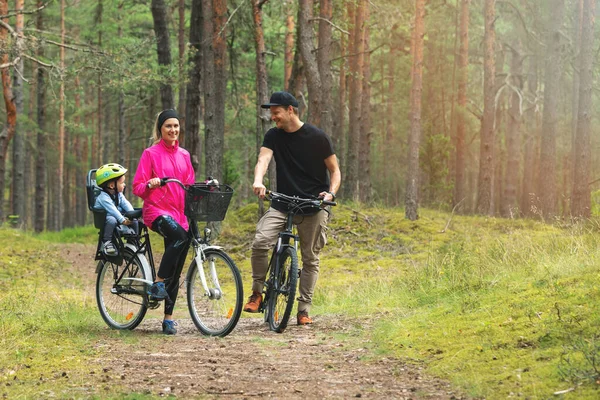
point(300, 158)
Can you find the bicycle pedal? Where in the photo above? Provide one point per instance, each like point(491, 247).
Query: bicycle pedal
point(113, 290)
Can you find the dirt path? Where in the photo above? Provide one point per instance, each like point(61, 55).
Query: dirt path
point(305, 362)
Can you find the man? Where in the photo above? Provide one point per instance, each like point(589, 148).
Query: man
point(306, 167)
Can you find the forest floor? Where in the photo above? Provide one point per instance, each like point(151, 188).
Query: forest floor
point(328, 359)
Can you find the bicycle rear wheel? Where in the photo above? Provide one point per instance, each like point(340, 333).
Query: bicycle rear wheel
point(215, 313)
point(120, 292)
point(283, 292)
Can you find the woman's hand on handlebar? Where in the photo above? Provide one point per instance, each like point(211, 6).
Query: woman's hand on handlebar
point(153, 183)
point(259, 189)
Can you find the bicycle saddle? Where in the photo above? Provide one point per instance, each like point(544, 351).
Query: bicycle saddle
point(135, 214)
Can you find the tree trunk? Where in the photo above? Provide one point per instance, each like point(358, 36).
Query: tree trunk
point(324, 64)
point(356, 70)
point(163, 49)
point(98, 155)
point(546, 185)
point(18, 192)
point(262, 90)
point(581, 198)
point(181, 103)
point(59, 207)
point(526, 202)
point(577, 22)
point(486, 151)
point(311, 68)
point(513, 138)
point(40, 160)
point(208, 56)
point(289, 51)
point(8, 131)
point(193, 141)
point(463, 80)
point(414, 141)
point(364, 156)
point(215, 136)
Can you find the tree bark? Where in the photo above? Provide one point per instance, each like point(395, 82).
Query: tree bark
point(356, 70)
point(215, 137)
point(414, 141)
point(311, 68)
point(324, 65)
point(509, 203)
point(289, 51)
point(181, 62)
point(581, 198)
point(193, 141)
point(486, 151)
point(546, 185)
point(364, 156)
point(463, 80)
point(208, 56)
point(40, 160)
point(18, 188)
point(8, 131)
point(59, 204)
point(163, 49)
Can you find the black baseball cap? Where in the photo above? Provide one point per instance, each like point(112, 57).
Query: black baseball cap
point(281, 99)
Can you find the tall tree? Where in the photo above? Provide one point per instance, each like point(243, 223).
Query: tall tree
point(486, 150)
point(163, 49)
point(40, 159)
point(215, 90)
point(356, 69)
point(60, 171)
point(181, 63)
point(309, 60)
point(581, 198)
point(414, 140)
point(193, 141)
point(364, 155)
point(463, 79)
point(289, 50)
point(18, 191)
point(8, 131)
point(546, 185)
point(324, 55)
point(513, 136)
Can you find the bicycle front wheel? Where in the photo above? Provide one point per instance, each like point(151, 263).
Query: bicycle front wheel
point(216, 312)
point(120, 292)
point(283, 292)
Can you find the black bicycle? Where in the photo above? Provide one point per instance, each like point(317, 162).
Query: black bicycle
point(213, 281)
point(280, 287)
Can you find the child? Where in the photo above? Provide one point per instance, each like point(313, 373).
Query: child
point(111, 179)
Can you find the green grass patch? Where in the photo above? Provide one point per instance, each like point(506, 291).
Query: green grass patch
point(500, 308)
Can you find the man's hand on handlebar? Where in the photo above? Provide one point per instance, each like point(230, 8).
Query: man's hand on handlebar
point(326, 196)
point(259, 189)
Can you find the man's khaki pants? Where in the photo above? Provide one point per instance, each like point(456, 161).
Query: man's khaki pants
point(312, 231)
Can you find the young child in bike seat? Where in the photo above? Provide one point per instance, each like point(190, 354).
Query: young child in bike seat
point(111, 179)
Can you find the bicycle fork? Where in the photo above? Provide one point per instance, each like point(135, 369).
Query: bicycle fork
point(213, 293)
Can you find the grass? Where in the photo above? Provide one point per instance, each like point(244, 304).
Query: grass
point(500, 308)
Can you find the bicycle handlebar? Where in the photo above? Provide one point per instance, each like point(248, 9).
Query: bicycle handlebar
point(317, 202)
point(163, 181)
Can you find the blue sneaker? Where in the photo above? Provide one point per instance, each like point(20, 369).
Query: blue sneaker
point(168, 327)
point(157, 291)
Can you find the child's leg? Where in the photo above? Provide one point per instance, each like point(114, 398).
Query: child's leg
point(109, 227)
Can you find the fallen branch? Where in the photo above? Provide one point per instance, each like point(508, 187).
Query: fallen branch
point(451, 215)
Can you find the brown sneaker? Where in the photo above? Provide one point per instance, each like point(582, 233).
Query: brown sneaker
point(253, 303)
point(303, 318)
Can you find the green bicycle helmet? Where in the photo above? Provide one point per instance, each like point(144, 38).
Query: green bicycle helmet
point(109, 171)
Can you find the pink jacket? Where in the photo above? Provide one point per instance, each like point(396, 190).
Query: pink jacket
point(160, 161)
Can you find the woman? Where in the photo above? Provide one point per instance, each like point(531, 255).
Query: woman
point(163, 209)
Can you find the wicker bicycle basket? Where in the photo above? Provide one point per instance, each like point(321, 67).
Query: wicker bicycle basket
point(207, 203)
